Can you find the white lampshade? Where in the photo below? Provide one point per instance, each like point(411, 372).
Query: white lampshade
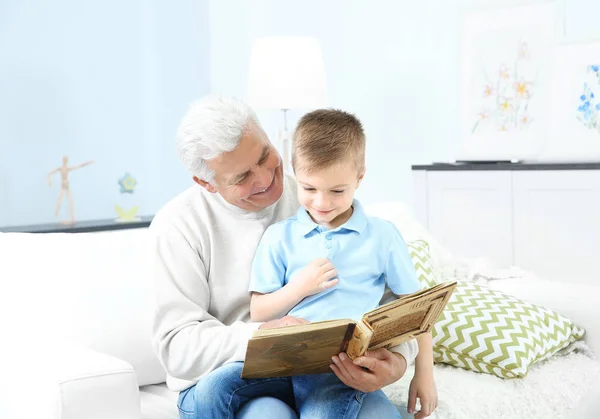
point(286, 73)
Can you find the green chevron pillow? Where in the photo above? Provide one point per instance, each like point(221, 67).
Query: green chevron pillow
point(487, 331)
point(421, 259)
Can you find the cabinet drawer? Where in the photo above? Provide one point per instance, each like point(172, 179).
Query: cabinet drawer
point(471, 213)
point(557, 224)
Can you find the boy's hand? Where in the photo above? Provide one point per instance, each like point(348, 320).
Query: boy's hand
point(422, 387)
point(315, 277)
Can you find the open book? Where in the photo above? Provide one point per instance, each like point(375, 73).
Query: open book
point(308, 348)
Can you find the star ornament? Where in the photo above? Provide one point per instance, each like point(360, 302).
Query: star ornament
point(127, 183)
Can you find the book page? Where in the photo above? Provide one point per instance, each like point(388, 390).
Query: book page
point(409, 316)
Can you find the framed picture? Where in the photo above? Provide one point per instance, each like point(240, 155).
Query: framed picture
point(574, 126)
point(505, 74)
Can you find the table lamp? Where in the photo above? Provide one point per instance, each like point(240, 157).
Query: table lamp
point(286, 73)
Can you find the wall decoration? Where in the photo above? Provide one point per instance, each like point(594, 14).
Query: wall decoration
point(127, 215)
point(505, 71)
point(574, 127)
point(587, 111)
point(65, 187)
point(506, 96)
point(127, 184)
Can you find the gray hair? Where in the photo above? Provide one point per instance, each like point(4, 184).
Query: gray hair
point(212, 126)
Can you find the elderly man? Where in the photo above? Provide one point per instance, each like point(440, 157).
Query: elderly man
point(205, 243)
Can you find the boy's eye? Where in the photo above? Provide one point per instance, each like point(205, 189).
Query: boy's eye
point(309, 189)
point(337, 191)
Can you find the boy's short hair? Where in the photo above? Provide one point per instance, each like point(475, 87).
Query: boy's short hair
point(327, 137)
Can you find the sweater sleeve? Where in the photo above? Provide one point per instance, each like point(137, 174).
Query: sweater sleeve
point(189, 342)
point(409, 350)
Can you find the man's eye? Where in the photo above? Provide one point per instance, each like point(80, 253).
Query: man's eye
point(264, 159)
point(309, 189)
point(338, 191)
point(242, 180)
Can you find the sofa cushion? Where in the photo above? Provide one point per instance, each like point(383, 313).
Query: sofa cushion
point(158, 402)
point(91, 289)
point(421, 259)
point(578, 302)
point(402, 217)
point(71, 382)
point(488, 331)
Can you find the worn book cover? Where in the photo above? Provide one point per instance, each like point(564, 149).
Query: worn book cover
point(308, 348)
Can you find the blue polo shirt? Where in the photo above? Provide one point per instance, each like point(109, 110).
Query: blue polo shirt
point(367, 252)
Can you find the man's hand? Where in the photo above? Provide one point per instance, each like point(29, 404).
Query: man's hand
point(315, 277)
point(422, 387)
point(370, 372)
point(282, 322)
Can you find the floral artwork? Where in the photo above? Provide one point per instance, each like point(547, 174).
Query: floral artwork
point(506, 96)
point(589, 106)
point(505, 73)
point(574, 119)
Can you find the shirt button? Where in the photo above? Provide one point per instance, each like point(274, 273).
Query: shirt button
point(328, 246)
point(328, 237)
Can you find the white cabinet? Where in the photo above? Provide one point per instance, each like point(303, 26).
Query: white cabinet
point(557, 224)
point(461, 204)
point(546, 221)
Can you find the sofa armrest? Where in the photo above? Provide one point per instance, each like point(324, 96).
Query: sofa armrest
point(68, 382)
point(577, 302)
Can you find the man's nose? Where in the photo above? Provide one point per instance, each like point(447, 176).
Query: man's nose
point(263, 177)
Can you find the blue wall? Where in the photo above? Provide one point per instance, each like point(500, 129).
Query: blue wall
point(110, 81)
point(106, 81)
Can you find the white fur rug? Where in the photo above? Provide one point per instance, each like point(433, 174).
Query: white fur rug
point(551, 390)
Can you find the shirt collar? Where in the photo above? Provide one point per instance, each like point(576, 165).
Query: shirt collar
point(357, 221)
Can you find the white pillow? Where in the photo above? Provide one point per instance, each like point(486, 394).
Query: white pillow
point(400, 215)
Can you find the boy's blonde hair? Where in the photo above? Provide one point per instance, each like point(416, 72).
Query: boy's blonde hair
point(327, 137)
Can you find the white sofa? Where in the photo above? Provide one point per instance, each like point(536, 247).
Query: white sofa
point(75, 318)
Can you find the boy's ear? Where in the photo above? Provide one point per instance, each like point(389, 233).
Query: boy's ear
point(360, 177)
point(210, 188)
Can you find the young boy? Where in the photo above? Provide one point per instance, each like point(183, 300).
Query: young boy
point(330, 261)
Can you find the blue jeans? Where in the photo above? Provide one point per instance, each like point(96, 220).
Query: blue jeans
point(223, 394)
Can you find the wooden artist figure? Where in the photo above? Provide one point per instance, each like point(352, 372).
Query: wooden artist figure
point(65, 188)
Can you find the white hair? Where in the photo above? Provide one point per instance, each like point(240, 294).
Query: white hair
point(212, 126)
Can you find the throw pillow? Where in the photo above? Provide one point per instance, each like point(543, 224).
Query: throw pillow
point(421, 259)
point(487, 331)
